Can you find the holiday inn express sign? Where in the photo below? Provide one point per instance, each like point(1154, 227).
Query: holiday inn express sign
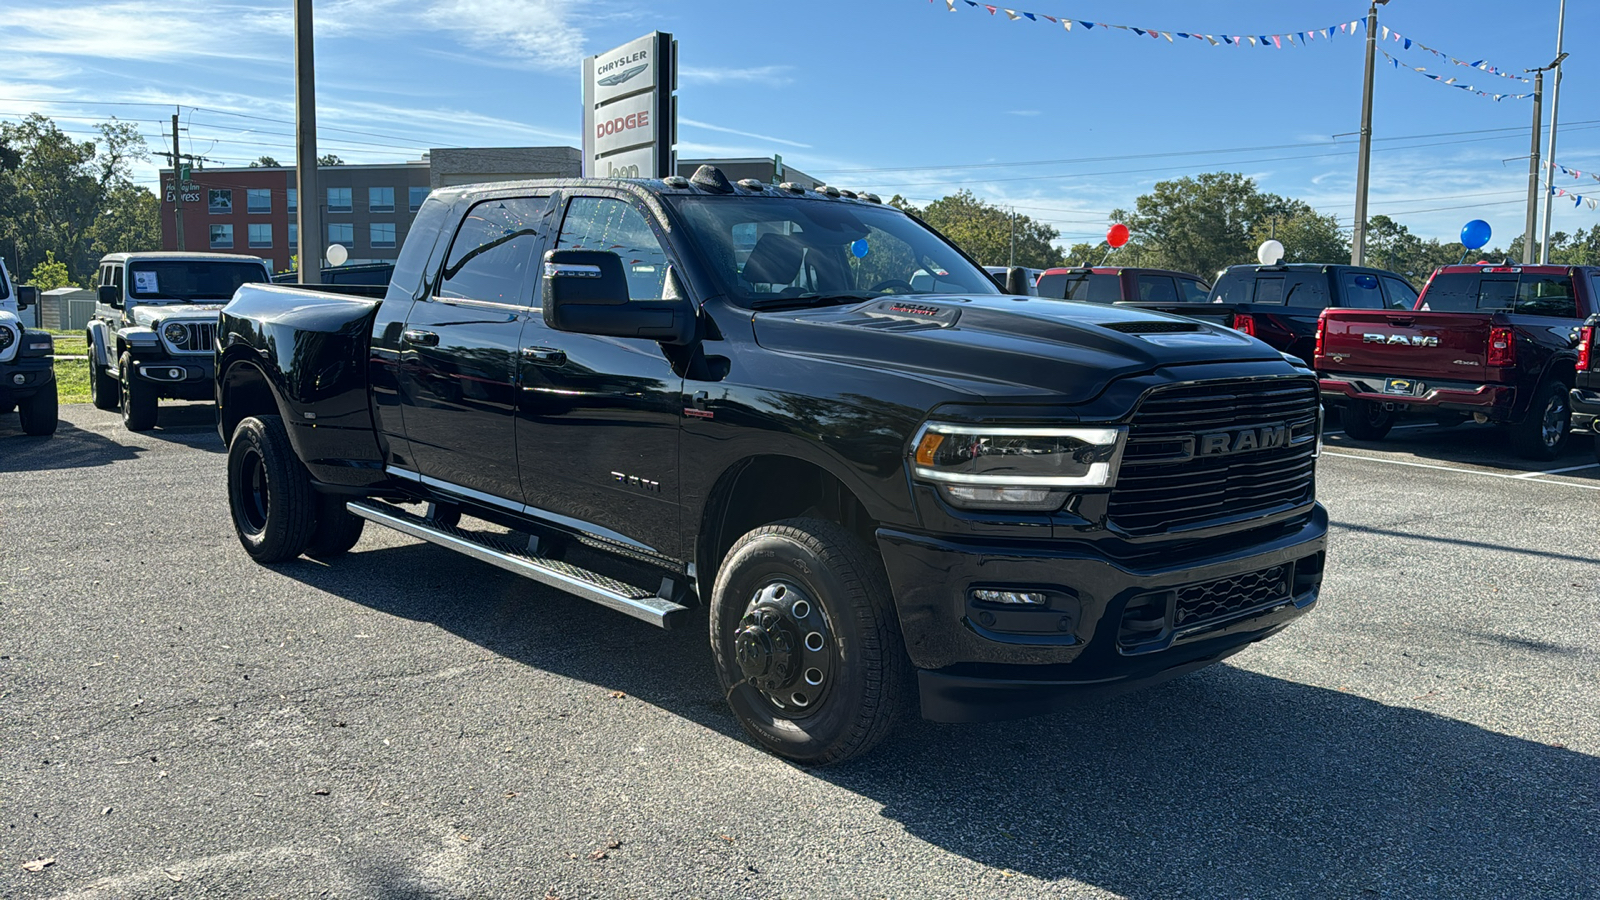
point(629, 112)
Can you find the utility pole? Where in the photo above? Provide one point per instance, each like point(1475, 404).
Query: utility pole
point(1532, 221)
point(1550, 154)
point(308, 216)
point(1358, 249)
point(1012, 219)
point(177, 187)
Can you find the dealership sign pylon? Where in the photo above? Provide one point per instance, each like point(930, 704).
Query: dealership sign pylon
point(630, 110)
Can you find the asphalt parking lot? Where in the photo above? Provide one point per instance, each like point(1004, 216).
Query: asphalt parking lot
point(177, 721)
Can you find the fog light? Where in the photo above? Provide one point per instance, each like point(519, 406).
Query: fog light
point(18, 378)
point(174, 373)
point(1011, 598)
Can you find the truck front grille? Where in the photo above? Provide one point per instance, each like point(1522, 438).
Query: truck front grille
point(1199, 603)
point(202, 337)
point(1170, 482)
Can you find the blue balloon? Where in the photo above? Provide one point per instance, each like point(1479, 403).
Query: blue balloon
point(859, 248)
point(1475, 234)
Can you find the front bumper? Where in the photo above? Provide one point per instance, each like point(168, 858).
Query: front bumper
point(23, 376)
point(1585, 410)
point(1497, 401)
point(179, 377)
point(1109, 625)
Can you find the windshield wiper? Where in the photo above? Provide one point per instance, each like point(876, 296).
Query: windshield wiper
point(814, 299)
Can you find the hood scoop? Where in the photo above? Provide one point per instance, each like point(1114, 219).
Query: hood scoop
point(1137, 327)
point(909, 315)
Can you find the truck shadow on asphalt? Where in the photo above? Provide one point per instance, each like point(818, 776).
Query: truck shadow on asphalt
point(1222, 783)
point(72, 447)
point(1466, 444)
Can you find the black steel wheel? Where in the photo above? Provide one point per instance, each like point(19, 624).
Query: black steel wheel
point(1542, 435)
point(806, 643)
point(104, 391)
point(269, 493)
point(337, 530)
point(1365, 420)
point(138, 398)
point(40, 411)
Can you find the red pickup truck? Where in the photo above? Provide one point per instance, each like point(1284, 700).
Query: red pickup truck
point(1497, 343)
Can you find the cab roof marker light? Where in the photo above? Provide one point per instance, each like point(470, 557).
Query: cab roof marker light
point(751, 184)
point(675, 181)
point(871, 198)
point(791, 187)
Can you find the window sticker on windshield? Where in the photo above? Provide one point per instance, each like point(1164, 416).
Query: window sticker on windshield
point(145, 282)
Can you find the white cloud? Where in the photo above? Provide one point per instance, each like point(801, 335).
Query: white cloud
point(749, 134)
point(774, 76)
point(145, 31)
point(535, 30)
point(1022, 112)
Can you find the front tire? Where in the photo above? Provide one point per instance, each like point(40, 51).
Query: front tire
point(40, 411)
point(1542, 435)
point(138, 398)
point(104, 391)
point(1366, 421)
point(269, 493)
point(806, 643)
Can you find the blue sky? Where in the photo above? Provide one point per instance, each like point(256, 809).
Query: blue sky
point(894, 96)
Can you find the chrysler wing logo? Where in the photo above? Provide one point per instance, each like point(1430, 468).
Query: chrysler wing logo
point(624, 75)
point(1403, 340)
point(1220, 443)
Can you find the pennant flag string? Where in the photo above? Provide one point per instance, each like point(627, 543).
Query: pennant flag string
point(1451, 81)
point(1276, 41)
point(1573, 172)
point(1577, 199)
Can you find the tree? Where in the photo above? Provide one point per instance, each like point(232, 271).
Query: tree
point(57, 190)
point(1306, 235)
point(50, 274)
point(1201, 224)
point(328, 159)
point(987, 232)
point(267, 162)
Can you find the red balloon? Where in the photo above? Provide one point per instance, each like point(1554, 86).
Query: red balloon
point(1118, 235)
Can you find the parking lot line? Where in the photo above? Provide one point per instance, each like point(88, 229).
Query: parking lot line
point(1520, 477)
point(1557, 471)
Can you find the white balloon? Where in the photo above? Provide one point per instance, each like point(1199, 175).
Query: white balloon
point(1269, 253)
point(337, 254)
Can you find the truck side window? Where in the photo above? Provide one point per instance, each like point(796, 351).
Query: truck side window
point(1269, 290)
point(1157, 289)
point(1594, 293)
point(1497, 293)
point(1362, 291)
point(492, 256)
point(1546, 295)
point(1193, 291)
point(600, 223)
point(1401, 296)
point(1307, 290)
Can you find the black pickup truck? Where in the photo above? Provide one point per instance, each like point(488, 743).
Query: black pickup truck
point(1280, 304)
point(662, 395)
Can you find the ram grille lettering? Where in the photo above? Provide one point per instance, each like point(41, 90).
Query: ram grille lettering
point(1219, 443)
point(1403, 340)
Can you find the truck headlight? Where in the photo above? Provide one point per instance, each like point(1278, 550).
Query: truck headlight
point(176, 333)
point(1023, 468)
point(7, 337)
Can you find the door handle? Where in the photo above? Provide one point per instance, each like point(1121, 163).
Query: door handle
point(545, 356)
point(421, 338)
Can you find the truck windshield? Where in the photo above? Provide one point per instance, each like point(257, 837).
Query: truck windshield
point(190, 280)
point(769, 251)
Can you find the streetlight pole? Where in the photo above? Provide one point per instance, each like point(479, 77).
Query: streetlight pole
point(308, 216)
point(1550, 153)
point(1358, 250)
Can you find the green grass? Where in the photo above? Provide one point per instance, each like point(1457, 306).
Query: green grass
point(72, 375)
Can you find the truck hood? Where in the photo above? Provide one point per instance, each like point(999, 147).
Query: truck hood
point(1002, 345)
point(151, 313)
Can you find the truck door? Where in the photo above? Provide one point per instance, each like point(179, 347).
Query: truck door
point(598, 418)
point(458, 352)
